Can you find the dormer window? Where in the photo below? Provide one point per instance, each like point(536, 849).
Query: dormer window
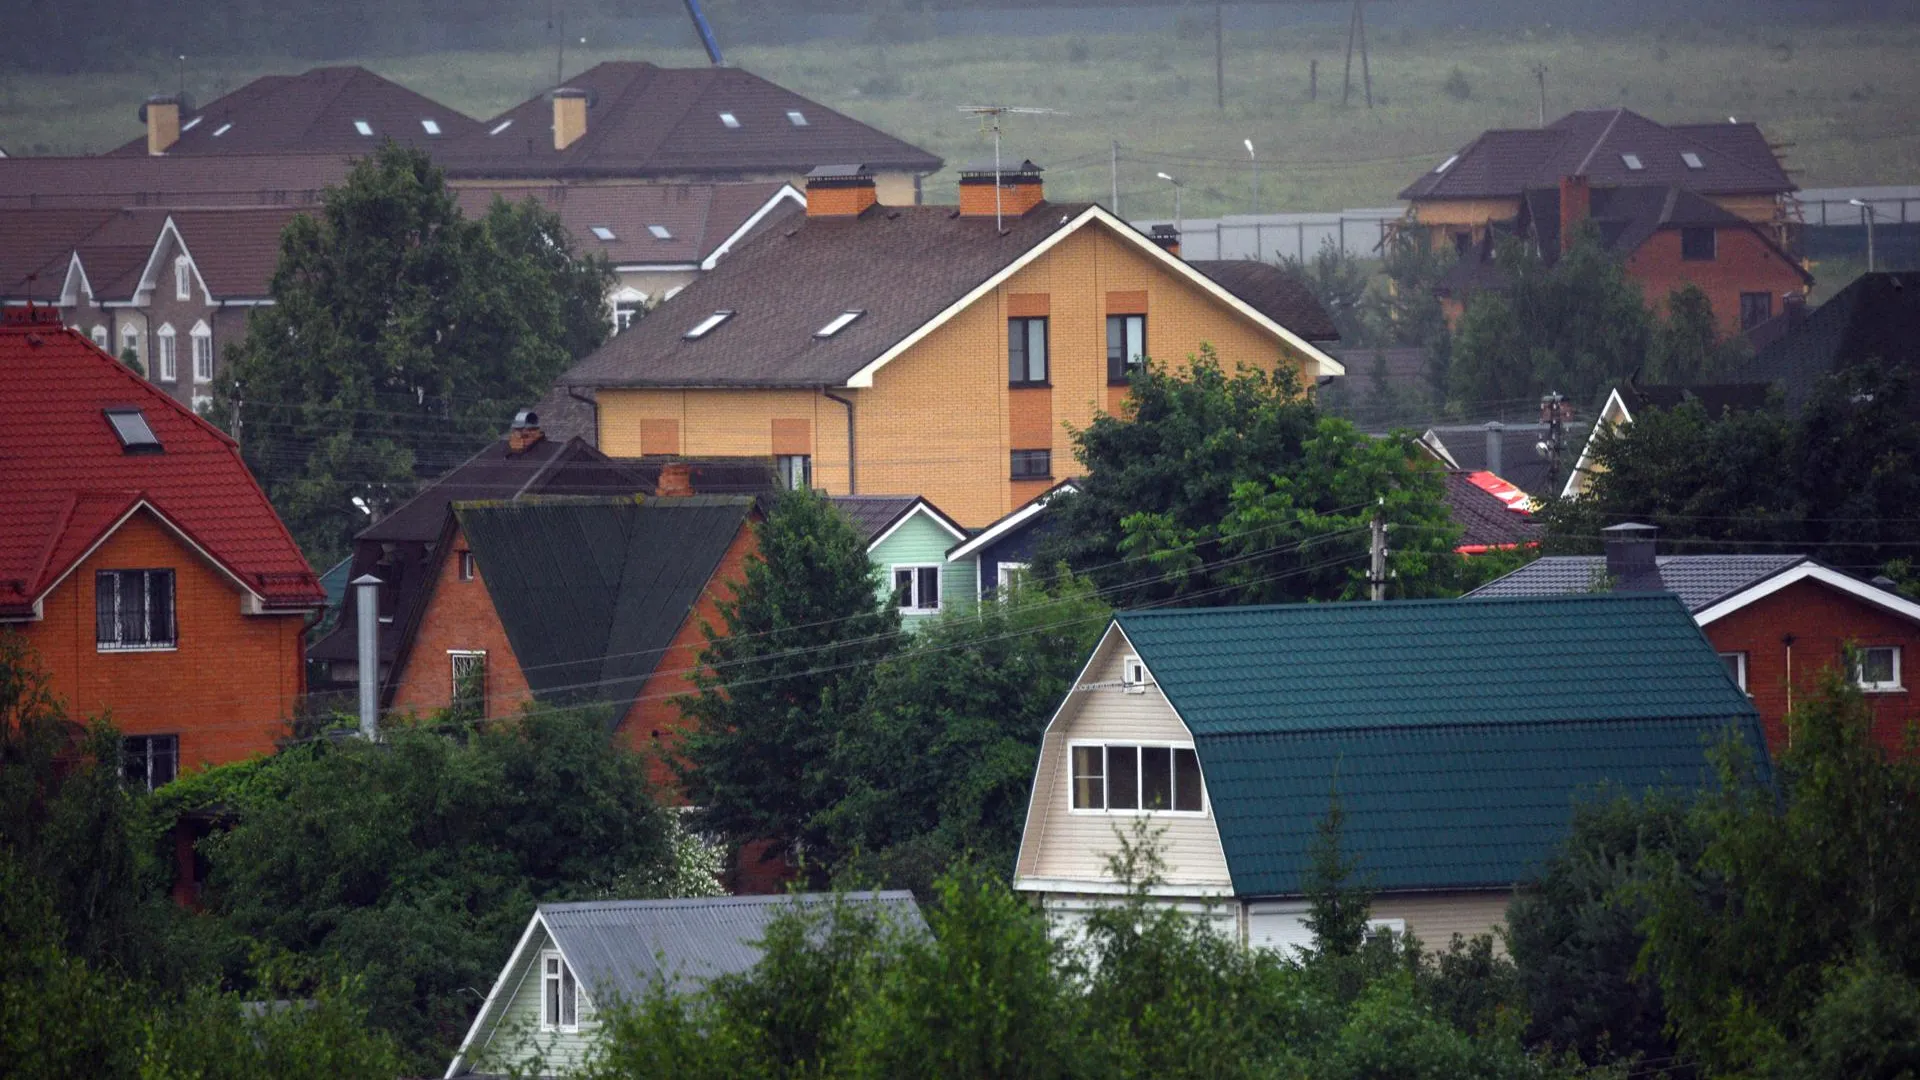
point(730, 120)
point(796, 118)
point(706, 326)
point(222, 130)
point(363, 127)
point(432, 127)
point(501, 126)
point(602, 233)
point(660, 232)
point(838, 324)
point(1692, 160)
point(1632, 162)
point(135, 434)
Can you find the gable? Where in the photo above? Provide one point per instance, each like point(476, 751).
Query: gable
point(1832, 582)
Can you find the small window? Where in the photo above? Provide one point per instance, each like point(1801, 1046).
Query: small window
point(1692, 160)
point(469, 680)
point(100, 336)
point(130, 341)
point(796, 118)
point(166, 359)
point(222, 130)
point(1032, 465)
point(1755, 308)
point(133, 609)
point(916, 589)
point(795, 470)
point(1010, 575)
point(838, 324)
point(705, 326)
point(1126, 346)
point(183, 278)
point(1445, 165)
point(1877, 668)
point(432, 127)
point(363, 127)
point(601, 232)
point(624, 313)
point(466, 566)
point(1736, 667)
point(1153, 779)
point(150, 761)
point(1632, 162)
point(1027, 352)
point(730, 120)
point(202, 337)
point(501, 126)
point(1133, 675)
point(559, 996)
point(200, 404)
point(1697, 244)
point(191, 124)
point(660, 232)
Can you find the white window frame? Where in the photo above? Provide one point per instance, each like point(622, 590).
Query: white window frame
point(1691, 160)
point(466, 565)
point(101, 338)
point(201, 337)
point(557, 975)
point(627, 305)
point(917, 604)
point(1632, 162)
point(1739, 669)
point(182, 278)
point(1009, 574)
point(1139, 777)
point(130, 339)
point(795, 471)
point(1133, 675)
point(454, 657)
point(730, 121)
point(430, 126)
point(166, 354)
point(1860, 672)
point(363, 128)
point(148, 750)
point(707, 325)
point(796, 118)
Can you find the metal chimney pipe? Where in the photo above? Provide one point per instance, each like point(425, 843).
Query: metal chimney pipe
point(1496, 442)
point(367, 604)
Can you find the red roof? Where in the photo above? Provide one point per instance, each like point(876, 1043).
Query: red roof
point(66, 481)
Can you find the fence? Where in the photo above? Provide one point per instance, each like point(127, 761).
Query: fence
point(1833, 227)
point(1269, 237)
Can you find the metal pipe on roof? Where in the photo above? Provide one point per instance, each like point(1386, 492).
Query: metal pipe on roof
point(367, 600)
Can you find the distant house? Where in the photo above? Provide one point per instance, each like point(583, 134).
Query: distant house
point(1875, 320)
point(1493, 514)
point(1457, 736)
point(1777, 621)
point(1630, 398)
point(1509, 451)
point(326, 110)
point(907, 539)
point(1005, 549)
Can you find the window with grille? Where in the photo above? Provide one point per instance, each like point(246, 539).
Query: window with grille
point(916, 589)
point(133, 609)
point(1136, 779)
point(469, 680)
point(1126, 346)
point(150, 761)
point(1027, 352)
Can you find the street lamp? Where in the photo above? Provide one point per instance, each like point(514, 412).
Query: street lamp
point(1255, 158)
point(1177, 185)
point(1871, 213)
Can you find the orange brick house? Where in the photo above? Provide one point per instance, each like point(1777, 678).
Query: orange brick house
point(140, 559)
point(944, 351)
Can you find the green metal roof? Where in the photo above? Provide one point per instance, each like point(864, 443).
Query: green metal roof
point(592, 591)
point(1458, 733)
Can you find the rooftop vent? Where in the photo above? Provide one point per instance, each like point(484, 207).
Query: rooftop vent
point(706, 326)
point(838, 324)
point(130, 425)
point(363, 127)
point(601, 232)
point(729, 119)
point(660, 232)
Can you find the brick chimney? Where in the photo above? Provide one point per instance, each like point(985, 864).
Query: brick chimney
point(840, 190)
point(1576, 206)
point(525, 433)
point(161, 114)
point(1167, 237)
point(676, 478)
point(1019, 189)
point(569, 116)
point(1631, 562)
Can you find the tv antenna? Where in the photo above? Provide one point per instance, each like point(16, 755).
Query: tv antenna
point(990, 118)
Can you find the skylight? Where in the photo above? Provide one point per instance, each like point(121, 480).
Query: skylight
point(363, 127)
point(1632, 162)
point(707, 324)
point(222, 130)
point(796, 118)
point(1447, 164)
point(191, 124)
point(601, 232)
point(432, 126)
point(131, 426)
point(838, 324)
point(1693, 160)
point(729, 119)
point(660, 232)
point(501, 126)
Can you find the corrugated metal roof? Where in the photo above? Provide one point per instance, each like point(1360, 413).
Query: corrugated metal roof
point(1698, 580)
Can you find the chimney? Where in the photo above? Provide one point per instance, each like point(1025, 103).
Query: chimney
point(1496, 444)
point(366, 589)
point(569, 116)
point(1576, 206)
point(1019, 189)
point(1630, 557)
point(1167, 237)
point(840, 190)
point(676, 478)
point(161, 114)
point(526, 433)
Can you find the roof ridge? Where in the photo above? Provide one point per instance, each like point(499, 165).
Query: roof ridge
point(1581, 169)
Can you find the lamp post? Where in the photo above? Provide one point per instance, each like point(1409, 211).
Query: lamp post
point(1871, 213)
point(1178, 225)
point(1255, 158)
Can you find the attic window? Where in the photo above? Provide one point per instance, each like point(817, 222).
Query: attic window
point(1693, 160)
point(363, 127)
point(222, 130)
point(1447, 164)
point(191, 124)
point(432, 126)
point(131, 426)
point(501, 126)
point(1632, 162)
point(838, 324)
point(660, 232)
point(706, 325)
point(729, 119)
point(796, 118)
point(601, 232)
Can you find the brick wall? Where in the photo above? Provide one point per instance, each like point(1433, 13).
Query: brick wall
point(1822, 620)
point(459, 616)
point(1742, 262)
point(228, 687)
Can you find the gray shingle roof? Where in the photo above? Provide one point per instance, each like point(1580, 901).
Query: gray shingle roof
point(1274, 293)
point(1483, 519)
point(1874, 319)
point(1699, 580)
point(872, 514)
point(1520, 462)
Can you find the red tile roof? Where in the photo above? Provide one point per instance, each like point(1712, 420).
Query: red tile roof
point(314, 111)
point(65, 481)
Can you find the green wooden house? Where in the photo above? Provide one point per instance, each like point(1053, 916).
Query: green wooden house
point(907, 540)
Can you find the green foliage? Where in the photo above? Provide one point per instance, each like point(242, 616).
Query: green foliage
point(1339, 281)
point(130, 356)
point(401, 339)
point(1340, 903)
point(938, 764)
point(1687, 347)
point(790, 663)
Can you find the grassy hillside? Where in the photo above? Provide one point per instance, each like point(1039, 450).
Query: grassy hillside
point(1841, 98)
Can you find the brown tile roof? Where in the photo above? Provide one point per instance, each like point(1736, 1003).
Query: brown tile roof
point(644, 120)
point(113, 256)
point(1274, 293)
point(112, 182)
point(313, 112)
point(1485, 521)
point(1502, 163)
point(697, 217)
point(40, 243)
point(235, 250)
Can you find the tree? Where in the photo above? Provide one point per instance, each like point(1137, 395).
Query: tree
point(791, 662)
point(1687, 346)
point(401, 339)
point(1339, 281)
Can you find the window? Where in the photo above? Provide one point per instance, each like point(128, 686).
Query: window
point(1878, 668)
point(130, 341)
point(1736, 667)
point(838, 323)
point(1696, 244)
point(1462, 243)
point(602, 233)
point(660, 232)
point(1755, 308)
point(191, 124)
point(705, 326)
point(469, 680)
point(1692, 160)
point(363, 127)
point(133, 609)
point(1632, 162)
point(1126, 345)
point(916, 589)
point(202, 338)
point(730, 120)
point(625, 311)
point(150, 761)
point(501, 126)
point(795, 470)
point(1133, 675)
point(1027, 352)
point(222, 130)
point(796, 118)
point(183, 278)
point(432, 127)
point(559, 994)
point(165, 361)
point(1445, 165)
point(466, 566)
point(136, 435)
point(200, 404)
point(100, 336)
point(1010, 575)
point(1032, 464)
point(1153, 779)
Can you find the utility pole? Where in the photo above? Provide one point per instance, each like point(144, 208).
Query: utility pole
point(1377, 570)
point(1219, 61)
point(1346, 76)
point(1366, 68)
point(1540, 76)
point(1555, 411)
point(1113, 177)
point(1313, 80)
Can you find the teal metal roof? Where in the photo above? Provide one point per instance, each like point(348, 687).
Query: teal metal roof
point(1459, 734)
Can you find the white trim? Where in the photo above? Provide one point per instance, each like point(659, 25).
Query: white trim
point(1895, 686)
point(1112, 888)
point(786, 192)
point(1811, 571)
point(1739, 672)
point(201, 332)
point(150, 276)
point(1011, 522)
point(182, 281)
point(565, 975)
point(172, 528)
point(1139, 776)
point(1615, 405)
point(1327, 365)
point(69, 294)
point(920, 506)
point(166, 354)
point(940, 587)
point(653, 268)
point(486, 1008)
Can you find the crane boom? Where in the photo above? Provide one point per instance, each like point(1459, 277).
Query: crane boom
point(706, 33)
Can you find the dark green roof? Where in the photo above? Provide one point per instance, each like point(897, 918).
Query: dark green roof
point(592, 591)
point(1458, 733)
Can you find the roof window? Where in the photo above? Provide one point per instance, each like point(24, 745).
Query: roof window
point(1447, 164)
point(191, 124)
point(601, 232)
point(501, 126)
point(136, 437)
point(222, 130)
point(1693, 160)
point(838, 324)
point(1632, 162)
point(363, 127)
point(729, 119)
point(796, 118)
point(660, 232)
point(706, 325)
point(432, 126)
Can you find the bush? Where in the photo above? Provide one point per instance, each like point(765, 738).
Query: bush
point(1456, 86)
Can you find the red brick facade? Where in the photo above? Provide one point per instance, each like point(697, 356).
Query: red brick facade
point(1743, 263)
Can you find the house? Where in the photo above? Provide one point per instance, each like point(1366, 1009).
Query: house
point(1457, 734)
point(938, 350)
point(1002, 551)
point(574, 602)
point(907, 539)
point(1509, 451)
point(1493, 514)
point(1874, 320)
point(327, 110)
point(1623, 401)
point(542, 1014)
point(1777, 621)
point(116, 500)
point(114, 182)
point(636, 120)
point(1458, 201)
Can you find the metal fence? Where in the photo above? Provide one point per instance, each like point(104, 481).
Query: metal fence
point(1834, 227)
point(1270, 237)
